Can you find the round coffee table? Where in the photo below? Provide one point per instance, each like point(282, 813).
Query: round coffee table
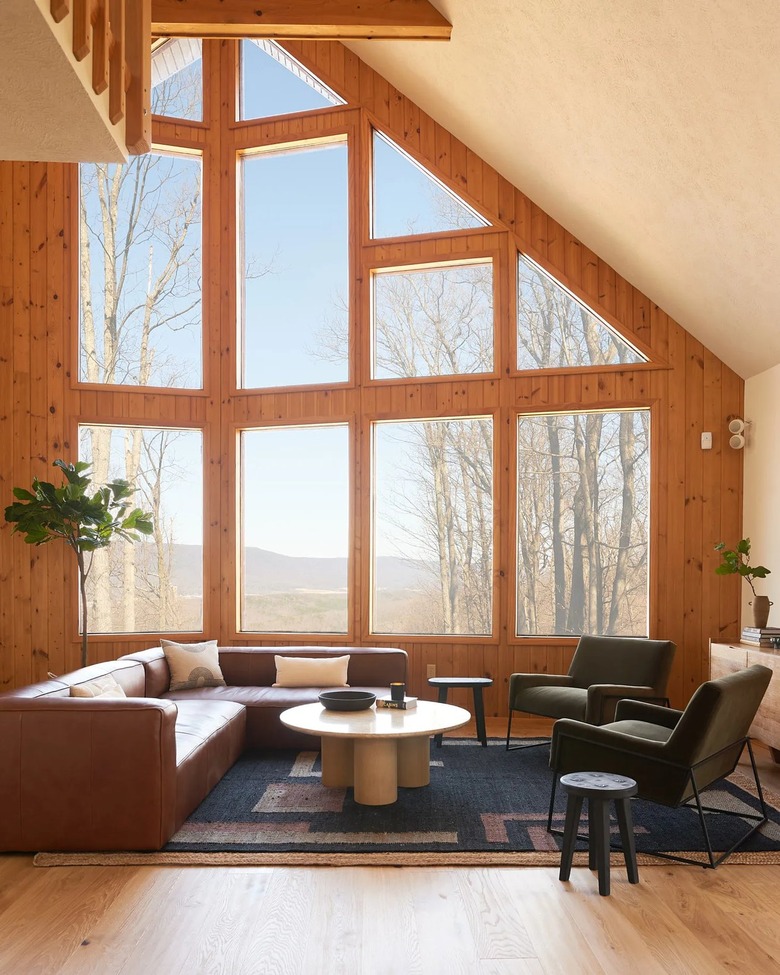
point(378, 749)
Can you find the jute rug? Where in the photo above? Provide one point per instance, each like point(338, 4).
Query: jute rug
point(484, 806)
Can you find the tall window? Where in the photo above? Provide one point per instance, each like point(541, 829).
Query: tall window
point(433, 526)
point(583, 496)
point(433, 321)
point(273, 82)
point(295, 529)
point(556, 330)
point(408, 199)
point(295, 266)
point(177, 78)
point(140, 267)
point(156, 584)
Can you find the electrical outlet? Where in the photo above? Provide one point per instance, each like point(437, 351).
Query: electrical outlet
point(431, 670)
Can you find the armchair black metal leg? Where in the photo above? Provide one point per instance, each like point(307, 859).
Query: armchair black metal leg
point(517, 748)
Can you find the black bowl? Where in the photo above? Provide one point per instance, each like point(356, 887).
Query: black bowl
point(347, 700)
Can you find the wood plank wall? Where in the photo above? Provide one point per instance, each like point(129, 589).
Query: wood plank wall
point(696, 495)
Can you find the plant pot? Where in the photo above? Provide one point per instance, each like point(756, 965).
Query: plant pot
point(760, 606)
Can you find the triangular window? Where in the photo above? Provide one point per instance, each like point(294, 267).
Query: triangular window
point(408, 199)
point(177, 78)
point(556, 330)
point(274, 83)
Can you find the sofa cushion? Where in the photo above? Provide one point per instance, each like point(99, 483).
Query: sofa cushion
point(210, 736)
point(102, 687)
point(311, 671)
point(128, 674)
point(193, 664)
point(554, 702)
point(199, 720)
point(263, 707)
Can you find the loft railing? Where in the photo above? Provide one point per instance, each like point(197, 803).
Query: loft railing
point(117, 33)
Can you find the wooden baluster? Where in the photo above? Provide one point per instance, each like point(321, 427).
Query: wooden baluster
point(100, 52)
point(59, 9)
point(138, 125)
point(82, 25)
point(116, 62)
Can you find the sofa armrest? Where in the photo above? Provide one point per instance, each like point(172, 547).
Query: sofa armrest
point(603, 699)
point(87, 773)
point(521, 682)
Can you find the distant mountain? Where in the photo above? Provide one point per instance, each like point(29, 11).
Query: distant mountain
point(271, 572)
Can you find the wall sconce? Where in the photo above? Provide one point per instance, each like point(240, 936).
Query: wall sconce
point(737, 431)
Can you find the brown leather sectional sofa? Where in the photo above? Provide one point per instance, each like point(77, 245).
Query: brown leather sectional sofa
point(124, 773)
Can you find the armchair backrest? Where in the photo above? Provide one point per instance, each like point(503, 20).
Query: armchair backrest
point(719, 714)
point(622, 660)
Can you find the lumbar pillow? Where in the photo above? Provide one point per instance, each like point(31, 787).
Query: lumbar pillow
point(100, 687)
point(311, 671)
point(193, 665)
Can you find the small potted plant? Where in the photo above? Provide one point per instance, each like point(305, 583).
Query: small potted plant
point(736, 561)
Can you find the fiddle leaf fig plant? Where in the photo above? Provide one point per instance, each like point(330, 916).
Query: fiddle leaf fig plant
point(84, 520)
point(736, 561)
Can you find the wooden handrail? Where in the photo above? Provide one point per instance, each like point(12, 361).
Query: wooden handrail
point(117, 33)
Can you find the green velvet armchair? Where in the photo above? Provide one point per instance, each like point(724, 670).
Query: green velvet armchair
point(673, 755)
point(603, 671)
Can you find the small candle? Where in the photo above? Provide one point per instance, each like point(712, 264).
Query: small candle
point(397, 691)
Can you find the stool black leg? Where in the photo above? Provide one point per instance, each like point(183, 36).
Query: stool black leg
point(626, 824)
point(479, 714)
point(592, 834)
point(442, 700)
point(599, 814)
point(573, 811)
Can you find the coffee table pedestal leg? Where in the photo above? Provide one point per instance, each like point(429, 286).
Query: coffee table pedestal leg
point(376, 771)
point(338, 762)
point(414, 762)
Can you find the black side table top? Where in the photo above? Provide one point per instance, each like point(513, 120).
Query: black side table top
point(460, 681)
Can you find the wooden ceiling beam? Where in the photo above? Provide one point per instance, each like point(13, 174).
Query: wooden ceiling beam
point(326, 20)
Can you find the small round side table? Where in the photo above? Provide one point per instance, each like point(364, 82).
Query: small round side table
point(443, 684)
point(599, 788)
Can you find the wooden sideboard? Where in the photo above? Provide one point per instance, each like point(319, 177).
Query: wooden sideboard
point(725, 658)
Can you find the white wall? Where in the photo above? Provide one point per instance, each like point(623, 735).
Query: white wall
point(761, 515)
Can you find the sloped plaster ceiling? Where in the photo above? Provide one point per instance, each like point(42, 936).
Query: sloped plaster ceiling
point(48, 111)
point(648, 128)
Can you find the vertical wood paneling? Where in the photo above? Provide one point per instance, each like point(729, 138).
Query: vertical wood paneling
point(696, 495)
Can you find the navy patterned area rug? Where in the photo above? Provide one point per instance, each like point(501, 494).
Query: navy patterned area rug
point(480, 800)
point(483, 806)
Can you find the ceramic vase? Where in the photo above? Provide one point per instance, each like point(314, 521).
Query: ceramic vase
point(760, 606)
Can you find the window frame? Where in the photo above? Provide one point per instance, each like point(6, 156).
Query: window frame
point(235, 518)
point(369, 505)
point(567, 642)
point(74, 345)
point(208, 576)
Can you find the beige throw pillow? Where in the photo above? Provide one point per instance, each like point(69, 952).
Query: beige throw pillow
point(193, 665)
point(100, 687)
point(311, 671)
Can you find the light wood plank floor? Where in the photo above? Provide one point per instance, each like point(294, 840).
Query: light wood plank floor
point(383, 921)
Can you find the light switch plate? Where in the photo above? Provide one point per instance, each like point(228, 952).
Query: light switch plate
point(706, 441)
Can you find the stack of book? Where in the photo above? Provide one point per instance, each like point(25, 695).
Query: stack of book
point(406, 705)
point(762, 636)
